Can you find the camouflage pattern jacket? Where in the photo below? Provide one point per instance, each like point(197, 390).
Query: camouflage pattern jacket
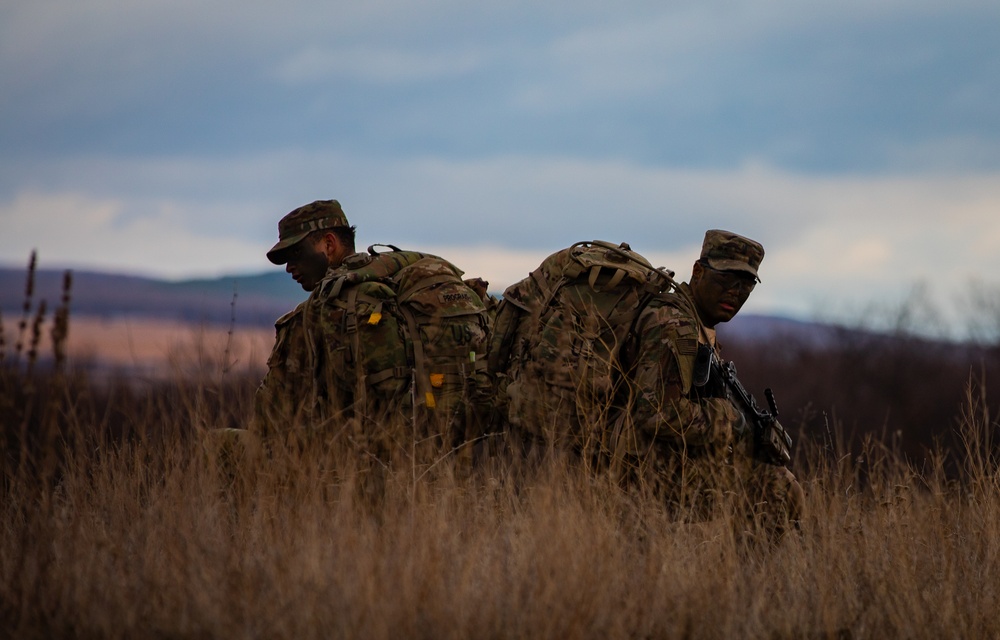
point(381, 339)
point(665, 408)
point(281, 395)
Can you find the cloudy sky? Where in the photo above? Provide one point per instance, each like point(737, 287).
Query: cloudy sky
point(859, 141)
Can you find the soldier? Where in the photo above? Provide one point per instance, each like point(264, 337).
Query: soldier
point(387, 353)
point(310, 239)
point(681, 436)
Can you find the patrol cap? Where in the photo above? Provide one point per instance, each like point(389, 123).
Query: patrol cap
point(727, 251)
point(295, 226)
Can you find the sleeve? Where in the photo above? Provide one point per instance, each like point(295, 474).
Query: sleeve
point(282, 393)
point(662, 409)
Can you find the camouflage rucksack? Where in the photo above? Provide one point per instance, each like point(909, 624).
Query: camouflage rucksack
point(404, 340)
point(556, 339)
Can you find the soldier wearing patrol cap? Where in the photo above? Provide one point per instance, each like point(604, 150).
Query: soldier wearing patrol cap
point(681, 435)
point(311, 240)
point(352, 360)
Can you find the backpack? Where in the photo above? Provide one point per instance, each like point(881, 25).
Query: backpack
point(404, 342)
point(557, 335)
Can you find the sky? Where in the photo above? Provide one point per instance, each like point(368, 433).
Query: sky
point(858, 141)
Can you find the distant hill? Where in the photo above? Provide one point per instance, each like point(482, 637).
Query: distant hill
point(260, 300)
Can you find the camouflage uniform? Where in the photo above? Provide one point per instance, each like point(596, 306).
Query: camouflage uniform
point(686, 443)
point(286, 398)
point(387, 353)
point(401, 342)
point(554, 350)
point(281, 397)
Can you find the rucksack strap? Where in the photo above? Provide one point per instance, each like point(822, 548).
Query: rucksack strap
point(543, 285)
point(615, 280)
point(391, 247)
point(387, 374)
point(336, 286)
point(360, 394)
point(504, 331)
point(421, 379)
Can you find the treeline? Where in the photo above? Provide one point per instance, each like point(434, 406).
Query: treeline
point(902, 390)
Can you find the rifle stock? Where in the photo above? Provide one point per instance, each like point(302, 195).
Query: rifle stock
point(771, 443)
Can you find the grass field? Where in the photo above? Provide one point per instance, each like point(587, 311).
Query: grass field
point(121, 517)
point(117, 522)
point(155, 348)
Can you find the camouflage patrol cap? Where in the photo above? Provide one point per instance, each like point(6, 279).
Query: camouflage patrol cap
point(727, 251)
point(294, 227)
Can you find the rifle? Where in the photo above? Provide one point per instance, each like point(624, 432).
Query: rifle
point(771, 443)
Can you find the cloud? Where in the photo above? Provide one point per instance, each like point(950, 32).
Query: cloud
point(696, 56)
point(857, 140)
point(375, 65)
point(75, 230)
point(825, 86)
point(830, 240)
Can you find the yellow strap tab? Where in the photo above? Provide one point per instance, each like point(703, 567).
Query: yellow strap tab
point(374, 318)
point(429, 400)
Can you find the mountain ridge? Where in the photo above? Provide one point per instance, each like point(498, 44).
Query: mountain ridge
point(255, 300)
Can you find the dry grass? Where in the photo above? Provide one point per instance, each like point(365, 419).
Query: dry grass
point(117, 521)
point(139, 532)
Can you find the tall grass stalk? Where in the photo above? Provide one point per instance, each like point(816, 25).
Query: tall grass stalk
point(29, 292)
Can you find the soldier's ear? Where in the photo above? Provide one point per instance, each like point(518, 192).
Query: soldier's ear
point(696, 272)
point(331, 245)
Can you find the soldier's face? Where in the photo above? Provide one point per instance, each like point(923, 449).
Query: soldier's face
point(720, 295)
point(307, 263)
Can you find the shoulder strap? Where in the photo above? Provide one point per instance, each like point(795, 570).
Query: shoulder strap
point(362, 267)
point(361, 393)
